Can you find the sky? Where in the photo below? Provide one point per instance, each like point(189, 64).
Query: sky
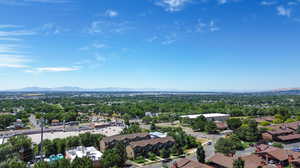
point(198, 45)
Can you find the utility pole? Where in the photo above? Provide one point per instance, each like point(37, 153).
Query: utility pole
point(42, 138)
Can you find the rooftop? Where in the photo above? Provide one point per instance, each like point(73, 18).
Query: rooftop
point(210, 115)
point(187, 163)
point(81, 151)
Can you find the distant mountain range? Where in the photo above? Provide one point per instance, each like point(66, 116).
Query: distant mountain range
point(78, 89)
point(116, 89)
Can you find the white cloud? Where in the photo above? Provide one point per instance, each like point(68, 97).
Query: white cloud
point(13, 61)
point(48, 1)
point(9, 48)
point(56, 69)
point(106, 27)
point(95, 45)
point(268, 3)
point(25, 2)
point(207, 27)
point(169, 39)
point(16, 33)
point(282, 11)
point(151, 39)
point(111, 13)
point(9, 26)
point(52, 28)
point(221, 2)
point(172, 5)
point(9, 39)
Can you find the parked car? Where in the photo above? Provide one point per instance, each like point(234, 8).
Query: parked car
point(297, 149)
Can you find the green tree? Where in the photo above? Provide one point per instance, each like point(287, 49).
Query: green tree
point(199, 123)
point(234, 123)
point(152, 126)
point(84, 162)
point(225, 146)
point(200, 154)
point(165, 153)
point(109, 158)
point(211, 127)
point(23, 145)
point(239, 163)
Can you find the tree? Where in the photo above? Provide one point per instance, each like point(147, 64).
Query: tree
point(6, 120)
point(200, 154)
point(249, 132)
point(239, 163)
point(234, 123)
point(165, 153)
point(84, 162)
point(23, 145)
point(133, 128)
point(152, 126)
point(225, 146)
point(211, 127)
point(13, 163)
point(199, 123)
point(121, 150)
point(49, 147)
point(109, 158)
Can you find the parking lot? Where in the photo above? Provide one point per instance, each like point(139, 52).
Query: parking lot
point(108, 131)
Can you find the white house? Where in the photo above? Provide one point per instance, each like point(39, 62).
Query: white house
point(211, 116)
point(82, 151)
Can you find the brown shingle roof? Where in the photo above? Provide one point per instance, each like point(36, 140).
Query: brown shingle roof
point(278, 153)
point(221, 125)
point(267, 118)
point(222, 160)
point(123, 137)
point(293, 125)
point(289, 137)
point(251, 161)
point(187, 163)
point(278, 130)
point(151, 141)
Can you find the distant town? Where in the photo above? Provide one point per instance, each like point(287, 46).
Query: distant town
point(151, 130)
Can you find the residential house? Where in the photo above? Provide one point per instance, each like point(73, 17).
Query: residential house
point(81, 151)
point(143, 147)
point(110, 142)
point(187, 163)
point(280, 157)
point(223, 161)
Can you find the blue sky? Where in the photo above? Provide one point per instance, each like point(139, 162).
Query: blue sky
point(169, 44)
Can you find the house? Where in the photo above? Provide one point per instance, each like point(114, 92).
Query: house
point(284, 132)
point(150, 114)
point(99, 125)
point(143, 147)
point(187, 163)
point(223, 161)
point(221, 125)
point(280, 157)
point(55, 123)
point(110, 142)
point(158, 135)
point(265, 119)
point(81, 151)
point(210, 116)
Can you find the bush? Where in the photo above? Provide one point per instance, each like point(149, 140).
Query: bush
point(278, 145)
point(140, 159)
point(152, 156)
point(265, 123)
